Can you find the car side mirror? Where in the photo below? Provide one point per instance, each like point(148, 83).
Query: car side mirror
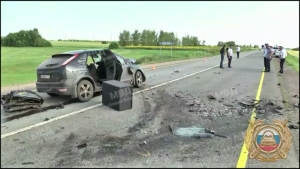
point(132, 61)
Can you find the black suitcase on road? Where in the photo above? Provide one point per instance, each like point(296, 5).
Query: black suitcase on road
point(117, 95)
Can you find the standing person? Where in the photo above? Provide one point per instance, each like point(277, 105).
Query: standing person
point(282, 57)
point(222, 52)
point(265, 55)
point(269, 55)
point(238, 49)
point(230, 53)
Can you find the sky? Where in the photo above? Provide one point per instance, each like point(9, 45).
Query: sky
point(244, 22)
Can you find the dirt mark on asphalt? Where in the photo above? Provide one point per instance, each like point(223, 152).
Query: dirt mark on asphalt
point(151, 135)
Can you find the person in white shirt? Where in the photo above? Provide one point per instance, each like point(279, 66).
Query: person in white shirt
point(229, 56)
point(238, 49)
point(282, 56)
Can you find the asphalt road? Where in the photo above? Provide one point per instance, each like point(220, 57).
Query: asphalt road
point(141, 137)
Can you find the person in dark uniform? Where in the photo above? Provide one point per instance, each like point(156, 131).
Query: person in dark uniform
point(269, 54)
point(265, 54)
point(222, 52)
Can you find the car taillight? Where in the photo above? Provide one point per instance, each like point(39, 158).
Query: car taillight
point(70, 59)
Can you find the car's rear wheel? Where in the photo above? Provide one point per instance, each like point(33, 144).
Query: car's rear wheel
point(53, 94)
point(85, 91)
point(139, 79)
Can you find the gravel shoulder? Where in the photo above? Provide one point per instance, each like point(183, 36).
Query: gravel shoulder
point(290, 92)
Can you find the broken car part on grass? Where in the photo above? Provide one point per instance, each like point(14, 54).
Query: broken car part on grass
point(21, 100)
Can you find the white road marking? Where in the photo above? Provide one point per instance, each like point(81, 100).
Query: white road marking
point(98, 105)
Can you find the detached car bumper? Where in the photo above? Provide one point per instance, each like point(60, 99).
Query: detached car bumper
point(61, 88)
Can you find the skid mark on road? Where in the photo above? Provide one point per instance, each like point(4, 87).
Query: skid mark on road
point(242, 161)
point(98, 105)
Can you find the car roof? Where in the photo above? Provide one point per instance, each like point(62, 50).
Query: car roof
point(82, 51)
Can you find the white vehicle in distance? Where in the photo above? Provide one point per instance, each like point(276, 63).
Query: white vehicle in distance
point(276, 51)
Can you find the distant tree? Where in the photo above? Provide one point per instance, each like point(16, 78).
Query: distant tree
point(256, 46)
point(220, 43)
point(191, 41)
point(25, 38)
point(113, 45)
point(152, 38)
point(230, 43)
point(135, 37)
point(124, 38)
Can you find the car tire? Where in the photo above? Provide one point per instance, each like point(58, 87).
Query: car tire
point(53, 94)
point(83, 96)
point(139, 79)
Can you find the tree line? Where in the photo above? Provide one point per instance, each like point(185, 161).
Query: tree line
point(153, 38)
point(79, 40)
point(232, 43)
point(25, 38)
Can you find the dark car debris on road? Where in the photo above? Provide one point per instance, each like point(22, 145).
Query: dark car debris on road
point(21, 100)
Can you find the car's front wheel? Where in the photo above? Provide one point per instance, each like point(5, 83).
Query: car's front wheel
point(139, 79)
point(85, 91)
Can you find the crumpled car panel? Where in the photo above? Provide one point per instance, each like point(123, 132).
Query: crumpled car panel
point(21, 100)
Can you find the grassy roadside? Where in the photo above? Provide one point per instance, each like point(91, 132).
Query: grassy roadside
point(293, 61)
point(18, 64)
point(294, 53)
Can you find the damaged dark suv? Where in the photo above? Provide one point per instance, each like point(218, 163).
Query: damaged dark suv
point(80, 73)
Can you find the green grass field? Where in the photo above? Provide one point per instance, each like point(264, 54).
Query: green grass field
point(294, 53)
point(293, 61)
point(18, 64)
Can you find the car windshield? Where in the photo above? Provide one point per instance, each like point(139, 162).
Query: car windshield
point(56, 60)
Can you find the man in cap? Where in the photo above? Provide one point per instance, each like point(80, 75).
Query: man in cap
point(268, 56)
point(282, 57)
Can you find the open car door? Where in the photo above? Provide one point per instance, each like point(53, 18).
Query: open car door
point(110, 64)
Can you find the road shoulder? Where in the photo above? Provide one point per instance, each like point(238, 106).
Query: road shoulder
point(290, 93)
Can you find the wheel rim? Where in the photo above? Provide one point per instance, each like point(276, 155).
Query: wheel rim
point(139, 78)
point(85, 91)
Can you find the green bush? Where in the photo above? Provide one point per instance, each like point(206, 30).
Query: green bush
point(25, 38)
point(104, 42)
point(113, 45)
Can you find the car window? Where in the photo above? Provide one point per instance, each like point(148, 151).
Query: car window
point(97, 58)
point(108, 57)
point(89, 60)
point(120, 59)
point(55, 60)
point(81, 60)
